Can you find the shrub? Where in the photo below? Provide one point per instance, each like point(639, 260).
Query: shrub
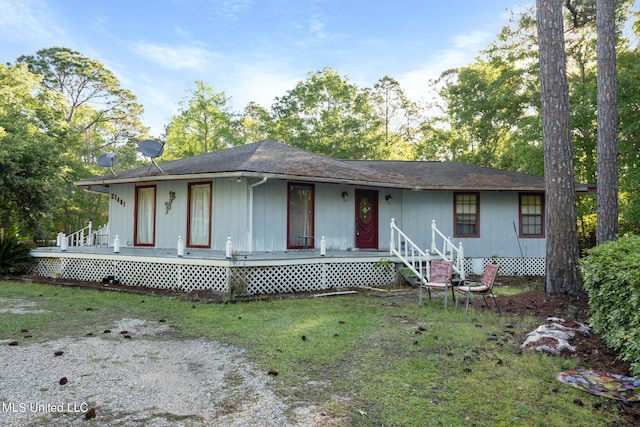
point(611, 277)
point(14, 256)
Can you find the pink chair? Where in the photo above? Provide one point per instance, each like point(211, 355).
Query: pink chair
point(439, 279)
point(483, 288)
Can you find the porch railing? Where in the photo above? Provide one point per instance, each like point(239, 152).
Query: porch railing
point(86, 236)
point(417, 260)
point(449, 251)
point(409, 253)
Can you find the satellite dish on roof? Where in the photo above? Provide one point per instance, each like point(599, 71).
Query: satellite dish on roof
point(108, 160)
point(151, 149)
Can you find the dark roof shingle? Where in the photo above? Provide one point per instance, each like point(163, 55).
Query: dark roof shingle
point(273, 159)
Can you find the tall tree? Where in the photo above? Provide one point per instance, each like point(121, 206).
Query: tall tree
point(32, 172)
point(95, 103)
point(562, 275)
point(607, 214)
point(204, 124)
point(328, 115)
point(399, 116)
point(98, 115)
point(489, 109)
point(254, 124)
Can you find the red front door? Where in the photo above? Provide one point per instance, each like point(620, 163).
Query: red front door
point(366, 219)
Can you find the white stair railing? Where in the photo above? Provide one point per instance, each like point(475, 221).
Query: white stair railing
point(87, 236)
point(449, 251)
point(410, 254)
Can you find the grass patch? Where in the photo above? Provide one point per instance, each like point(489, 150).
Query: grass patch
point(373, 359)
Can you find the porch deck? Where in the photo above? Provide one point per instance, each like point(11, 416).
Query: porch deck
point(207, 254)
point(244, 273)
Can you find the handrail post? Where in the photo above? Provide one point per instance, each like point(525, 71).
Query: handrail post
point(433, 235)
point(391, 241)
point(461, 261)
point(228, 248)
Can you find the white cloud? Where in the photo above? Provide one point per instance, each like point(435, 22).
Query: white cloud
point(472, 41)
point(232, 9)
point(27, 22)
point(466, 47)
point(260, 86)
point(175, 57)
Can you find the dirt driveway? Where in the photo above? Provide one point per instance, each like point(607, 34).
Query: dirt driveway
point(137, 374)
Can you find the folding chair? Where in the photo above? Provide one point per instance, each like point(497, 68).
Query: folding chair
point(439, 279)
point(483, 288)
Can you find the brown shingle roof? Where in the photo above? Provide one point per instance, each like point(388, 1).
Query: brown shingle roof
point(272, 159)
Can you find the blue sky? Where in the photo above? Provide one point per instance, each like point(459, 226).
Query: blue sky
point(254, 50)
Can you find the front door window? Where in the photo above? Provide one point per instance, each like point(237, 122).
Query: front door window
point(366, 219)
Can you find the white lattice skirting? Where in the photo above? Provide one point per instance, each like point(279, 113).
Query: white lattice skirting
point(508, 266)
point(249, 277)
point(281, 276)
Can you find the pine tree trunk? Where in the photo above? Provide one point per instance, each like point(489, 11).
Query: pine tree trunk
point(562, 274)
point(607, 211)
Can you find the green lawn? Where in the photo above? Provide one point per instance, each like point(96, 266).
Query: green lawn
point(374, 359)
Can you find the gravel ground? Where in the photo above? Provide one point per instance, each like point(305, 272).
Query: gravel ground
point(138, 375)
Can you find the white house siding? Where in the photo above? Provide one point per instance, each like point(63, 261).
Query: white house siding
point(498, 212)
point(419, 209)
point(386, 211)
point(334, 217)
point(270, 216)
point(230, 214)
point(171, 223)
point(121, 209)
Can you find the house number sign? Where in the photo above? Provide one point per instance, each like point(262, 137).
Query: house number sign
point(118, 199)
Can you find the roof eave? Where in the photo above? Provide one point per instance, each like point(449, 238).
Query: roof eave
point(105, 183)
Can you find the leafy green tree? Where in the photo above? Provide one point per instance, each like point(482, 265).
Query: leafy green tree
point(629, 154)
point(506, 79)
point(96, 115)
point(254, 124)
point(96, 108)
point(205, 123)
point(399, 116)
point(33, 171)
point(488, 110)
point(328, 115)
